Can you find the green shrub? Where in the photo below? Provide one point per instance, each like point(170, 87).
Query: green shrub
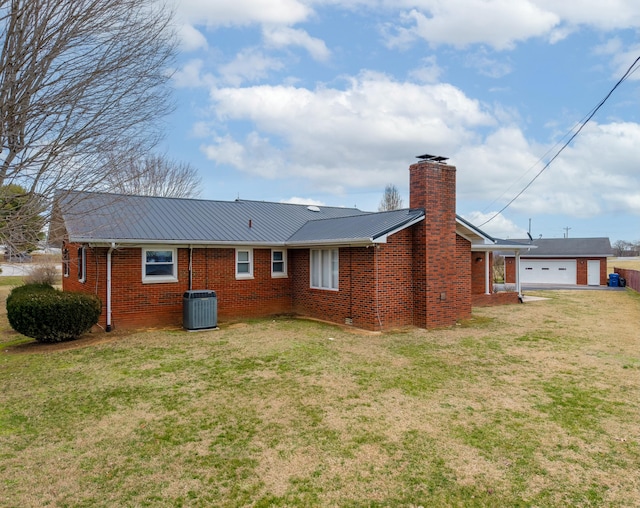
point(48, 315)
point(26, 289)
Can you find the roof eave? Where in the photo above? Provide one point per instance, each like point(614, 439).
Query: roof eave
point(333, 242)
point(499, 247)
point(556, 256)
point(143, 241)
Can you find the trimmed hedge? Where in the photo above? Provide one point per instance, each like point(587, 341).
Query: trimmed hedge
point(48, 315)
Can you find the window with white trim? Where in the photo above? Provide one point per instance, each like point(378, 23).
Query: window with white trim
point(82, 263)
point(159, 264)
point(244, 263)
point(324, 269)
point(278, 263)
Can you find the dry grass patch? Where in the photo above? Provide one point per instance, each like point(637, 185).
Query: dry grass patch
point(629, 264)
point(527, 405)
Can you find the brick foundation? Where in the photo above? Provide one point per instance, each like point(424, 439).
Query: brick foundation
point(494, 299)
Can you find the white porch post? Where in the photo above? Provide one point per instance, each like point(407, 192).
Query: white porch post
point(518, 274)
point(487, 280)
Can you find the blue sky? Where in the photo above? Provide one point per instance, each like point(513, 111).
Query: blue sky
point(327, 101)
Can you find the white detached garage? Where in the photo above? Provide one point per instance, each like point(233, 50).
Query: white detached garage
point(571, 261)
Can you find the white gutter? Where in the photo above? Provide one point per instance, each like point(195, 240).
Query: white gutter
point(190, 267)
point(111, 249)
point(518, 288)
point(487, 289)
point(105, 242)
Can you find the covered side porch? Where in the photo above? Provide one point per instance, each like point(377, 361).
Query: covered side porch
point(482, 274)
point(483, 250)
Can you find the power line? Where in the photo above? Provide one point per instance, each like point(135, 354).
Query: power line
point(589, 116)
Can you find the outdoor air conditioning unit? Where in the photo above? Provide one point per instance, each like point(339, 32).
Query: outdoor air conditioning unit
point(200, 310)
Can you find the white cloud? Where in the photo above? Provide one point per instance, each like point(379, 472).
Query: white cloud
point(295, 200)
point(592, 176)
point(496, 167)
point(502, 23)
point(615, 14)
point(225, 150)
point(250, 64)
point(621, 55)
point(280, 37)
point(242, 12)
point(428, 72)
point(498, 23)
point(498, 227)
point(190, 75)
point(488, 66)
point(361, 136)
point(191, 38)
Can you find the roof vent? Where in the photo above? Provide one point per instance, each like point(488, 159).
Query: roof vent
point(313, 208)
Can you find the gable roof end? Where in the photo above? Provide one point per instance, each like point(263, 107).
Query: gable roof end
point(364, 229)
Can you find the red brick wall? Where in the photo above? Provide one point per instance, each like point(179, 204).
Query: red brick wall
point(494, 299)
point(96, 274)
point(478, 272)
point(433, 187)
point(135, 304)
point(509, 270)
point(464, 275)
point(395, 282)
point(375, 286)
point(320, 303)
point(582, 266)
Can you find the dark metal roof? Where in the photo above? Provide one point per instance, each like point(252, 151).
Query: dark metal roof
point(367, 227)
point(105, 218)
point(568, 247)
point(101, 217)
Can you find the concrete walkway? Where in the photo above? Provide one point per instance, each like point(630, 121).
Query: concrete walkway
point(555, 287)
point(571, 287)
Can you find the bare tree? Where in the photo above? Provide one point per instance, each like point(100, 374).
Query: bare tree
point(79, 79)
point(623, 248)
point(153, 175)
point(391, 199)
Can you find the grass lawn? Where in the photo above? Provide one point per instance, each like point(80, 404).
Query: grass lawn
point(629, 264)
point(524, 405)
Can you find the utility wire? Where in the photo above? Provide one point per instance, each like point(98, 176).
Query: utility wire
point(629, 71)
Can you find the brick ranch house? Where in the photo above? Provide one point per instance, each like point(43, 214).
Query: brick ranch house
point(423, 266)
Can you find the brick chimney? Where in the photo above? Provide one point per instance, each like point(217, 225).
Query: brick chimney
point(432, 187)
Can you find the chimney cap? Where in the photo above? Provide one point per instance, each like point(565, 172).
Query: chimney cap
point(432, 158)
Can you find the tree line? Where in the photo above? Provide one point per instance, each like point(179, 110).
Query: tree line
point(622, 248)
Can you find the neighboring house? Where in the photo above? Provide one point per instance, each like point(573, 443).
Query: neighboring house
point(421, 266)
point(581, 261)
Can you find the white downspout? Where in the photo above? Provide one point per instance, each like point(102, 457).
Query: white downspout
point(518, 274)
point(190, 267)
point(487, 289)
point(111, 249)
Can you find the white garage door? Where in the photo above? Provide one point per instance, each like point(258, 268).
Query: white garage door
point(548, 271)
